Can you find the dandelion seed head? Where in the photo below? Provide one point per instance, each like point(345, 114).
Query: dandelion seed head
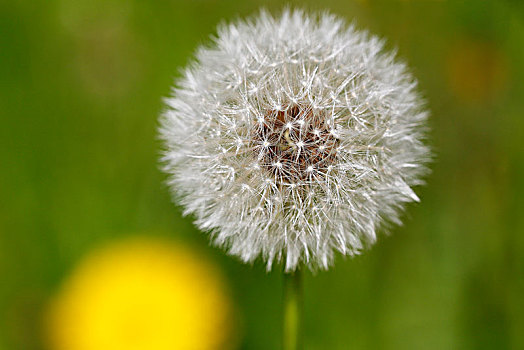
point(291, 138)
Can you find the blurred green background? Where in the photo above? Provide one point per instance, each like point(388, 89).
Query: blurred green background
point(81, 86)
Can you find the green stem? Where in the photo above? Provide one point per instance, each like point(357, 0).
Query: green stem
point(292, 331)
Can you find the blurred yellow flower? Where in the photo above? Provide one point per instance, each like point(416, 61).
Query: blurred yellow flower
point(141, 294)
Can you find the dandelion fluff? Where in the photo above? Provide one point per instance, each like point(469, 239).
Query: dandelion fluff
point(294, 137)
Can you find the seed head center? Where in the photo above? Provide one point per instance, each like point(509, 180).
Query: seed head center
point(295, 145)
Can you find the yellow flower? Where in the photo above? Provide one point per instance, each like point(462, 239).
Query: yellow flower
point(141, 295)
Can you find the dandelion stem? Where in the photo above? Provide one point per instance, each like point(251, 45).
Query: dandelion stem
point(292, 323)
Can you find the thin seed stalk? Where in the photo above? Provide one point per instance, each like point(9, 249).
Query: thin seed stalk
point(292, 318)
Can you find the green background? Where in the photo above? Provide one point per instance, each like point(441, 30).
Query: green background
point(81, 86)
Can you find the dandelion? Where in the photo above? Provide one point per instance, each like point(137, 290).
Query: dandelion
point(292, 138)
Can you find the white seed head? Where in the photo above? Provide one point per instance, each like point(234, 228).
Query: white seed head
point(291, 138)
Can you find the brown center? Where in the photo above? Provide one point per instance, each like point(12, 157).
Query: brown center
point(295, 145)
